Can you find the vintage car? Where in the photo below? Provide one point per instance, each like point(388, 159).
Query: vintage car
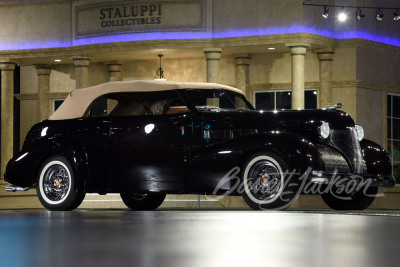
point(146, 139)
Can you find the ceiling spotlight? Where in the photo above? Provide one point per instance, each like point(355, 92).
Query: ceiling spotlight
point(342, 16)
point(57, 60)
point(379, 15)
point(326, 13)
point(359, 14)
point(396, 15)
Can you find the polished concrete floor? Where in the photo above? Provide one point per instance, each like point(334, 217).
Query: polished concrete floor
point(197, 238)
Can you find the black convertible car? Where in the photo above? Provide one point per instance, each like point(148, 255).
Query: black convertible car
point(146, 139)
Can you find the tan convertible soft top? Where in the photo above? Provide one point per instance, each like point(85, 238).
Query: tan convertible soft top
point(79, 100)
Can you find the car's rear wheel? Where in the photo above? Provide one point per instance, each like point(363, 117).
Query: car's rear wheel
point(339, 199)
point(56, 185)
point(268, 183)
point(143, 201)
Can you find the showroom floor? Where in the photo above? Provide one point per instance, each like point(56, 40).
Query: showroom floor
point(193, 238)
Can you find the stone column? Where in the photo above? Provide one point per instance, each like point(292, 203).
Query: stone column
point(325, 57)
point(212, 56)
point(7, 114)
point(44, 88)
point(298, 52)
point(115, 71)
point(242, 71)
point(81, 71)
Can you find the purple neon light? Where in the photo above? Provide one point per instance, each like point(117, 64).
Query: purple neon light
point(200, 35)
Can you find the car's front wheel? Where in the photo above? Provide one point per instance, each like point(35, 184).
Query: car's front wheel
point(56, 185)
point(339, 199)
point(143, 201)
point(268, 183)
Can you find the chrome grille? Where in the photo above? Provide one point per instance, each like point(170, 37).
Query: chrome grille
point(347, 142)
point(333, 160)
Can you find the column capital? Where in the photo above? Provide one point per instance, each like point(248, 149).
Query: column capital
point(298, 48)
point(242, 59)
point(7, 66)
point(212, 53)
point(81, 61)
point(43, 70)
point(325, 54)
point(114, 67)
point(297, 45)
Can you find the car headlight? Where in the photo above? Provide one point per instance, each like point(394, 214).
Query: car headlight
point(360, 132)
point(324, 130)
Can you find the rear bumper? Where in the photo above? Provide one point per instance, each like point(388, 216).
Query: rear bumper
point(342, 179)
point(15, 188)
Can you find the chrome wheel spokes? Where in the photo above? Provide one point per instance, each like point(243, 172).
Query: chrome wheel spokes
point(56, 182)
point(139, 196)
point(264, 180)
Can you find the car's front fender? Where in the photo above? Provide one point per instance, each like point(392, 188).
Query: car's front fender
point(206, 166)
point(376, 158)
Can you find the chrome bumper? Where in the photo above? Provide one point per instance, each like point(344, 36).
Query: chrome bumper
point(14, 188)
point(374, 180)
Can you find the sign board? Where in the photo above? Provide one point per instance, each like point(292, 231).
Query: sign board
point(135, 16)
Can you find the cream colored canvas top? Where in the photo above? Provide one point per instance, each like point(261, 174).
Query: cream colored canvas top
point(79, 100)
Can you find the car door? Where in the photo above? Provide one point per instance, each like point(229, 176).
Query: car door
point(93, 134)
point(146, 150)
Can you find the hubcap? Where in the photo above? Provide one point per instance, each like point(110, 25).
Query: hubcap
point(264, 180)
point(139, 196)
point(56, 182)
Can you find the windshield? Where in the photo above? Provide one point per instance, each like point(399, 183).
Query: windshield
point(217, 99)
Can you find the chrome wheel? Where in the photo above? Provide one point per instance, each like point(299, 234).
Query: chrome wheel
point(139, 196)
point(264, 180)
point(56, 182)
point(56, 185)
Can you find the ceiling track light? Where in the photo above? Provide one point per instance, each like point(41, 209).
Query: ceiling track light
point(359, 11)
point(379, 15)
point(396, 16)
point(359, 14)
point(325, 15)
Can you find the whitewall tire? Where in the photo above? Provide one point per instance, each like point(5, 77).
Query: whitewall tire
point(56, 187)
point(267, 182)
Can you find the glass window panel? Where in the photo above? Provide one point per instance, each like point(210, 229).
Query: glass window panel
point(396, 129)
point(396, 106)
point(394, 151)
point(310, 99)
point(57, 103)
point(239, 102)
point(283, 100)
point(389, 105)
point(396, 172)
point(389, 128)
point(265, 100)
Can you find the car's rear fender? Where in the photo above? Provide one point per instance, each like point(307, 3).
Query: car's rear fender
point(23, 168)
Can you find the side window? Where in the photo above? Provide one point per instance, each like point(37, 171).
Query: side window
point(137, 104)
point(102, 107)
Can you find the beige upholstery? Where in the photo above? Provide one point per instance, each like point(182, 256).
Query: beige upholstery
point(177, 109)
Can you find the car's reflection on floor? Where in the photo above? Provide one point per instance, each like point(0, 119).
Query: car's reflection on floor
point(196, 238)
